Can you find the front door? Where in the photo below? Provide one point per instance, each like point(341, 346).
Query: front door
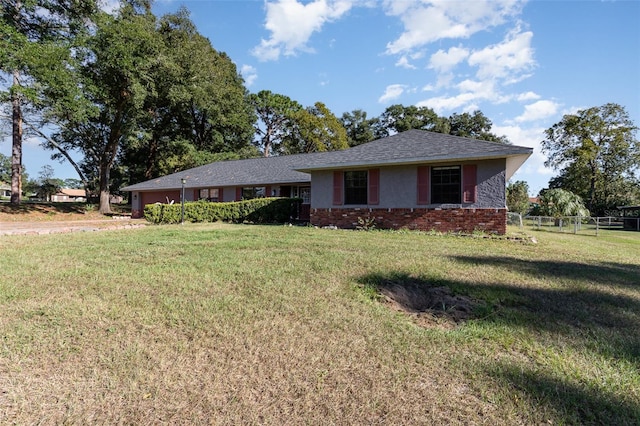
point(305, 208)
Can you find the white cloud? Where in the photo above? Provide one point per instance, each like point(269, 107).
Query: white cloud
point(470, 93)
point(497, 65)
point(528, 96)
point(443, 103)
point(428, 21)
point(393, 91)
point(534, 172)
point(538, 110)
point(404, 63)
point(508, 60)
point(444, 61)
point(249, 73)
point(292, 23)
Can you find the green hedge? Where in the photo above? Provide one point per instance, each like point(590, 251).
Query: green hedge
point(259, 210)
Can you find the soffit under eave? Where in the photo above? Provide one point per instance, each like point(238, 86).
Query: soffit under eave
point(514, 163)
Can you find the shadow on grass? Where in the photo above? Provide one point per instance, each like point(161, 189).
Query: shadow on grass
point(589, 320)
point(605, 273)
point(571, 403)
point(608, 321)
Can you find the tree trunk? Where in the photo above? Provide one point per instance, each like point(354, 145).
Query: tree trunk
point(53, 144)
point(16, 150)
point(592, 188)
point(105, 195)
point(152, 160)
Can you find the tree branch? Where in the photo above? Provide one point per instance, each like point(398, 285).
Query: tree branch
point(62, 151)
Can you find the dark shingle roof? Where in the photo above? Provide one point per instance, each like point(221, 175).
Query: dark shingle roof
point(254, 171)
point(410, 147)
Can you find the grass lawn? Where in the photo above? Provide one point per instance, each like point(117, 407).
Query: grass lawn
point(231, 324)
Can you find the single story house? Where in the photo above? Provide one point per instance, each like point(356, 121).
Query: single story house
point(414, 179)
point(5, 190)
point(65, 195)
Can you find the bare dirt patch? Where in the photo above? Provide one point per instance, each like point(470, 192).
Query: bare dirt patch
point(52, 212)
point(427, 306)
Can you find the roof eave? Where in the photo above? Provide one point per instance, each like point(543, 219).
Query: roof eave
point(514, 162)
point(132, 188)
point(412, 161)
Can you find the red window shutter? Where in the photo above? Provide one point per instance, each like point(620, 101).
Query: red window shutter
point(469, 183)
point(424, 173)
point(220, 196)
point(338, 182)
point(196, 194)
point(267, 191)
point(374, 186)
point(238, 193)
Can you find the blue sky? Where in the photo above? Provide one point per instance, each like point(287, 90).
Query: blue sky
point(523, 64)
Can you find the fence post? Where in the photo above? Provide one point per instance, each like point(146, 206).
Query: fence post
point(598, 225)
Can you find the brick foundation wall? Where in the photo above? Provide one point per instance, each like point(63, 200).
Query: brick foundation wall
point(492, 221)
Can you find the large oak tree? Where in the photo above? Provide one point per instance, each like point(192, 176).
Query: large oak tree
point(116, 78)
point(597, 154)
point(198, 112)
point(37, 41)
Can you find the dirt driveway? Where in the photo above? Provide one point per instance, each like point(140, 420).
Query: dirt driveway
point(61, 227)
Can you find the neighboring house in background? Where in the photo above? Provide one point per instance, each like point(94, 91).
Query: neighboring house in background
point(5, 190)
point(415, 180)
point(66, 195)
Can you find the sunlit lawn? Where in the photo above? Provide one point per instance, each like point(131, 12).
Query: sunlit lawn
point(232, 324)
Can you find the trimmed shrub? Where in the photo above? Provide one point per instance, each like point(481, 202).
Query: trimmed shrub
point(259, 210)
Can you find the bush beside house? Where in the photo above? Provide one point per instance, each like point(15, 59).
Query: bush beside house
point(259, 210)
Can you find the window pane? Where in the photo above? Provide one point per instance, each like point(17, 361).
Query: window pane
point(253, 192)
point(355, 187)
point(445, 185)
point(305, 194)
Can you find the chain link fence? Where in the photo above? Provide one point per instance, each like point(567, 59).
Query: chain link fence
point(574, 224)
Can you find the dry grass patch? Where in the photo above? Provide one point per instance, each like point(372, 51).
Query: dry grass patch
point(229, 324)
point(53, 212)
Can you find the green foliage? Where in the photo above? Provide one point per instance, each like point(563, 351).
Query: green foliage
point(259, 210)
point(476, 126)
point(597, 154)
point(275, 113)
point(518, 197)
point(48, 185)
point(198, 107)
point(558, 203)
point(117, 77)
point(359, 129)
point(5, 168)
point(366, 223)
point(314, 129)
point(399, 118)
point(40, 41)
